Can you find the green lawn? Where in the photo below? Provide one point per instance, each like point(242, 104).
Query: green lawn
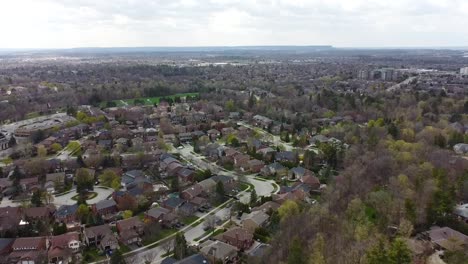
point(162, 234)
point(124, 248)
point(89, 195)
point(189, 219)
point(92, 254)
point(148, 100)
point(245, 185)
point(211, 233)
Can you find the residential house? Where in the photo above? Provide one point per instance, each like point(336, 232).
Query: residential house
point(38, 213)
point(208, 186)
point(199, 202)
point(187, 209)
point(156, 214)
point(213, 134)
point(104, 207)
point(462, 212)
point(198, 134)
point(286, 156)
point(218, 251)
point(275, 169)
point(241, 161)
point(30, 184)
point(254, 220)
point(227, 131)
point(213, 151)
point(193, 259)
point(262, 121)
point(169, 138)
point(267, 153)
point(258, 250)
point(5, 184)
point(173, 203)
point(63, 247)
point(174, 168)
point(255, 165)
point(238, 237)
point(101, 237)
point(124, 199)
point(296, 194)
point(170, 219)
point(228, 182)
point(266, 207)
point(254, 144)
point(317, 139)
point(166, 160)
point(447, 238)
point(53, 180)
point(130, 230)
point(28, 250)
point(461, 148)
point(311, 181)
point(66, 214)
point(10, 218)
point(185, 137)
point(185, 176)
point(298, 173)
point(130, 176)
point(142, 183)
point(5, 248)
point(191, 192)
point(234, 115)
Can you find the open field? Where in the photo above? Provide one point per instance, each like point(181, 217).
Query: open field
point(147, 100)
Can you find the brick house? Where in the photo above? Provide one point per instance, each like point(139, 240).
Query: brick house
point(238, 237)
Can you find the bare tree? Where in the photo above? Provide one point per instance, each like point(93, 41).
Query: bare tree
point(149, 256)
point(210, 222)
point(167, 245)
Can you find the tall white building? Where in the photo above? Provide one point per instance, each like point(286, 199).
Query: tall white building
point(464, 71)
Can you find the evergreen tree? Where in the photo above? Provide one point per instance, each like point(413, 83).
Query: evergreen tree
point(12, 142)
point(252, 101)
point(399, 253)
point(36, 198)
point(180, 246)
point(220, 188)
point(253, 197)
point(440, 141)
point(317, 251)
point(296, 252)
point(378, 254)
point(393, 130)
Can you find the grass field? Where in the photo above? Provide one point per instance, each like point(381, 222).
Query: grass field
point(148, 100)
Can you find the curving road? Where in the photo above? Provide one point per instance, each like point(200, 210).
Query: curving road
point(102, 194)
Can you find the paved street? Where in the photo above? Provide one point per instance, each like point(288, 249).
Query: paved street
point(263, 188)
point(102, 194)
point(274, 139)
point(66, 199)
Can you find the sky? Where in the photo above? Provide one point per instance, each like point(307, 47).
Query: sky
point(144, 23)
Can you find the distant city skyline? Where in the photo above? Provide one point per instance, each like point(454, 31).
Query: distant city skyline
point(52, 24)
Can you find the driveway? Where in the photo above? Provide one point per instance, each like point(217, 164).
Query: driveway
point(66, 199)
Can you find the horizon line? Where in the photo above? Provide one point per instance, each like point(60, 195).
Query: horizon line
point(239, 46)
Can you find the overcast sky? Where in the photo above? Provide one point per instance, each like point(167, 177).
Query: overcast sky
point(129, 23)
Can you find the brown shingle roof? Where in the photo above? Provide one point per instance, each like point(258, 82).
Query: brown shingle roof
point(29, 243)
point(37, 212)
